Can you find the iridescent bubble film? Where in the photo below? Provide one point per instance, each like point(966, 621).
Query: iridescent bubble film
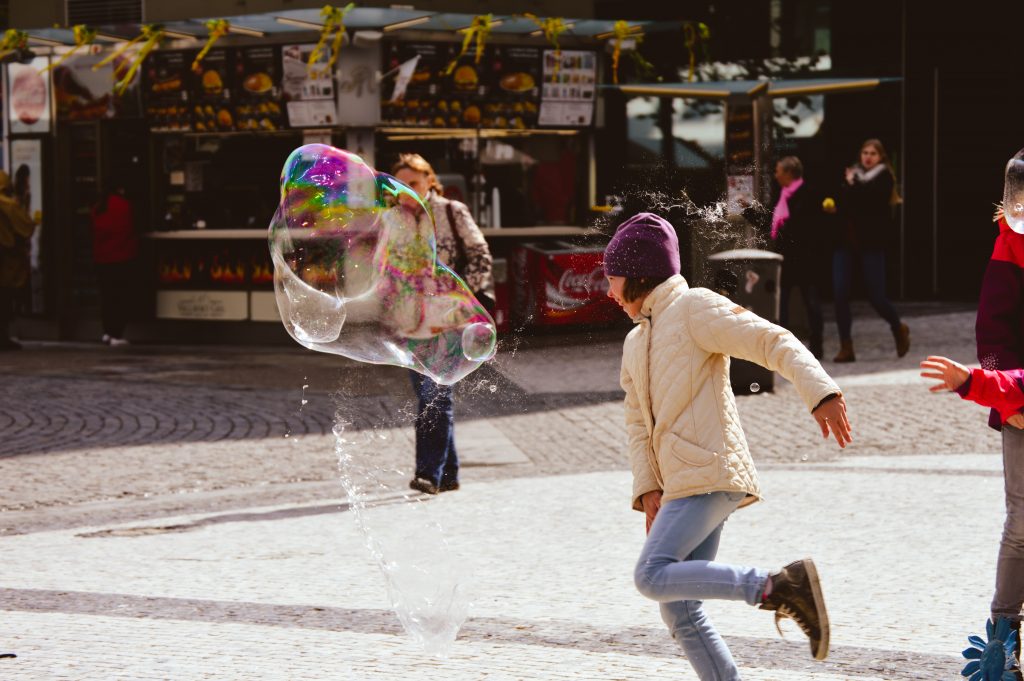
point(1013, 193)
point(356, 275)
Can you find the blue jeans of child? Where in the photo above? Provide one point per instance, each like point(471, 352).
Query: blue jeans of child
point(677, 569)
point(873, 266)
point(436, 459)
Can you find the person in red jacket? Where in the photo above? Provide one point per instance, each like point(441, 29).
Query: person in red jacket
point(1003, 392)
point(114, 248)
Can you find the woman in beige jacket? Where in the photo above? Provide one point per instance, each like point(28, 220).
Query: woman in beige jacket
point(691, 465)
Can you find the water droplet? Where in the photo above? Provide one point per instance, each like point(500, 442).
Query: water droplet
point(494, 388)
point(755, 387)
point(803, 458)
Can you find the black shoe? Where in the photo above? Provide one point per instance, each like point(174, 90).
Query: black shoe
point(423, 485)
point(796, 594)
point(449, 486)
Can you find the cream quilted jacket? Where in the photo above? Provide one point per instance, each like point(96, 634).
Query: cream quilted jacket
point(684, 431)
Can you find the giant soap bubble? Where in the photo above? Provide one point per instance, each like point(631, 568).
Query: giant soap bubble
point(355, 275)
point(1013, 193)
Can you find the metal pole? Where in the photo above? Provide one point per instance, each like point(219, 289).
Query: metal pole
point(935, 185)
point(903, 157)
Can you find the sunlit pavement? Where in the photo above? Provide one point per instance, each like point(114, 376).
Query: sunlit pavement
point(157, 522)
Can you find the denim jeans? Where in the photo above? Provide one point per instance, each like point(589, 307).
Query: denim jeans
point(1010, 565)
point(436, 459)
point(677, 569)
point(873, 266)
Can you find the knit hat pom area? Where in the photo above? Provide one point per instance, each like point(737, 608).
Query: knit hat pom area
point(645, 245)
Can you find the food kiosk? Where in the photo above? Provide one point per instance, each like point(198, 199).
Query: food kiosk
point(200, 149)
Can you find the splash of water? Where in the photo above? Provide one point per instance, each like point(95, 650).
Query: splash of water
point(426, 585)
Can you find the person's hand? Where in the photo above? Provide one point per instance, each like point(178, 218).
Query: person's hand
point(999, 213)
point(849, 176)
point(949, 374)
point(651, 502)
point(1017, 421)
point(831, 416)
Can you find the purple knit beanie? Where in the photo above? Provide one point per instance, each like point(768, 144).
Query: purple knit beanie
point(643, 246)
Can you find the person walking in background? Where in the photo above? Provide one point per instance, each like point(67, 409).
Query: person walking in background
point(865, 206)
point(16, 228)
point(114, 249)
point(799, 232)
point(460, 246)
point(690, 461)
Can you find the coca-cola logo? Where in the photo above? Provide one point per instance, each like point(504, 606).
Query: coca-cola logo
point(590, 283)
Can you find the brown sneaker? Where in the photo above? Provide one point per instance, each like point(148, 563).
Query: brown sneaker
point(796, 594)
point(845, 353)
point(902, 337)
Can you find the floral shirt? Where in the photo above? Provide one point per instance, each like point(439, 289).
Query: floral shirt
point(476, 269)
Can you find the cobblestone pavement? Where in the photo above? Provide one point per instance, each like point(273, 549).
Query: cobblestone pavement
point(176, 513)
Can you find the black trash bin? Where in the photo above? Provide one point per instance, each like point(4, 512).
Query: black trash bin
point(749, 277)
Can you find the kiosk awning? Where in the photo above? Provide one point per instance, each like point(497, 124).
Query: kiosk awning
point(724, 89)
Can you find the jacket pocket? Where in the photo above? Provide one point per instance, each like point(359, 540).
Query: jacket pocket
point(687, 452)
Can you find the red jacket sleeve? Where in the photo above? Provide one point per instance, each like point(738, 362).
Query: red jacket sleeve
point(1000, 390)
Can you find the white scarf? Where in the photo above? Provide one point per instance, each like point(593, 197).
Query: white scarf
point(862, 176)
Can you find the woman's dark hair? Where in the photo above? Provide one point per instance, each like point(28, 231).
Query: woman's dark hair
point(637, 287)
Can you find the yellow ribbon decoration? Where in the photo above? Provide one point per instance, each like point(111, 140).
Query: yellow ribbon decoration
point(217, 28)
point(12, 40)
point(479, 30)
point(553, 27)
point(695, 33)
point(334, 22)
point(83, 36)
point(621, 30)
point(152, 34)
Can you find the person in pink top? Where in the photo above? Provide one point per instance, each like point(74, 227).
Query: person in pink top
point(114, 249)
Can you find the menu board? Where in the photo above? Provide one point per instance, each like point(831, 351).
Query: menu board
point(570, 84)
point(29, 96)
point(210, 89)
point(86, 93)
point(309, 93)
point(258, 98)
point(502, 91)
point(514, 87)
point(165, 92)
point(431, 98)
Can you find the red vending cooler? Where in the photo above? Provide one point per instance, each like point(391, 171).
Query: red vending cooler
point(561, 284)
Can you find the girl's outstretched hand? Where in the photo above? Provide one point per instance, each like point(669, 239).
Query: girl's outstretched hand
point(949, 374)
point(831, 416)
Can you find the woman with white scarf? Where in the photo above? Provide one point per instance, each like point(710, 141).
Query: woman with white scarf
point(865, 204)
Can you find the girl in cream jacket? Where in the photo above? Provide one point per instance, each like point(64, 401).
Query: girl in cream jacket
point(691, 466)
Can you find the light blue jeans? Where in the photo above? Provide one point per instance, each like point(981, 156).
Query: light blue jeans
point(677, 569)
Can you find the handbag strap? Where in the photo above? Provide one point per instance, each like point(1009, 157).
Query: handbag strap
point(460, 252)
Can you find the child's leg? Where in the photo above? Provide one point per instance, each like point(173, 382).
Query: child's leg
point(663, 572)
point(694, 632)
point(1010, 566)
point(873, 263)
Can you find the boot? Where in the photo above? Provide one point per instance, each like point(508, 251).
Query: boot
point(796, 594)
point(902, 338)
point(845, 352)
